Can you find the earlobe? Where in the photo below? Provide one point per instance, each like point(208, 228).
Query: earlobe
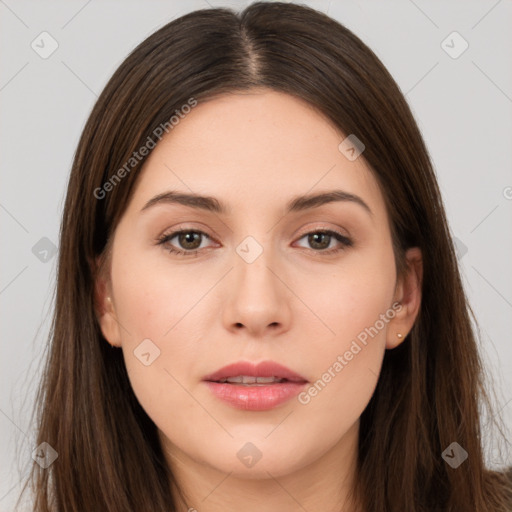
point(105, 313)
point(109, 325)
point(408, 294)
point(393, 343)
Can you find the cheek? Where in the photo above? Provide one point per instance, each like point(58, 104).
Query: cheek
point(353, 295)
point(159, 344)
point(355, 307)
point(153, 309)
point(152, 296)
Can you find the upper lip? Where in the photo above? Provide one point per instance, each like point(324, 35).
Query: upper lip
point(263, 369)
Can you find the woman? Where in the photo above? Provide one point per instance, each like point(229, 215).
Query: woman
point(258, 301)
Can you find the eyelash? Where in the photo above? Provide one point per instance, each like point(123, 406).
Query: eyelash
point(344, 241)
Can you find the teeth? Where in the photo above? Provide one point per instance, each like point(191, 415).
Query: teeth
point(265, 380)
point(245, 379)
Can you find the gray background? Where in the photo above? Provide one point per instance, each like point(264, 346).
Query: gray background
point(463, 107)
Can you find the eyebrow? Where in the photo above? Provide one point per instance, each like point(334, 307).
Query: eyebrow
point(296, 204)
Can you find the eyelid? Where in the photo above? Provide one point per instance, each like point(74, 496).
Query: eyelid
point(310, 229)
point(175, 230)
point(302, 231)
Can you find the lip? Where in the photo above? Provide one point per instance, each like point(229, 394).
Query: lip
point(263, 369)
point(255, 397)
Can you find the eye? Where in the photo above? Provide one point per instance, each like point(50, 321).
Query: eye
point(321, 240)
point(190, 240)
point(187, 238)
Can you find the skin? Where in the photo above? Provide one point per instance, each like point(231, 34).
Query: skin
point(293, 304)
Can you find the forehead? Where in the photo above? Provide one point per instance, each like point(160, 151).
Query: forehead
point(254, 148)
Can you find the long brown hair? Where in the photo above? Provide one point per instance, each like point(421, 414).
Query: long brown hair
point(431, 387)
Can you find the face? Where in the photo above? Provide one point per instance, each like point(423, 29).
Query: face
point(311, 288)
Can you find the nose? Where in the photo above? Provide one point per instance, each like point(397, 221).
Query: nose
point(257, 298)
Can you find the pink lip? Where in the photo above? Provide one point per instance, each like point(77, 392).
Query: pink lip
point(263, 369)
point(255, 397)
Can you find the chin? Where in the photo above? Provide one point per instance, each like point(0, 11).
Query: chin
point(254, 459)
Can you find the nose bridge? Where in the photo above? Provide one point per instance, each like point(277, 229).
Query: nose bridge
point(255, 261)
point(255, 248)
point(256, 297)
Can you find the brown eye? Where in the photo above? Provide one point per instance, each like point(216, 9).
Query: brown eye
point(320, 240)
point(188, 241)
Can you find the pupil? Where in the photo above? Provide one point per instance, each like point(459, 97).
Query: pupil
point(314, 239)
point(184, 239)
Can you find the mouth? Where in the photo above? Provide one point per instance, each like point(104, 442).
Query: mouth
point(250, 380)
point(249, 374)
point(252, 387)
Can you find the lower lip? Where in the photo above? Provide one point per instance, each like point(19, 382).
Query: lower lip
point(256, 398)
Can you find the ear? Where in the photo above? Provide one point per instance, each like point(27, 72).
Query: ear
point(408, 294)
point(105, 309)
